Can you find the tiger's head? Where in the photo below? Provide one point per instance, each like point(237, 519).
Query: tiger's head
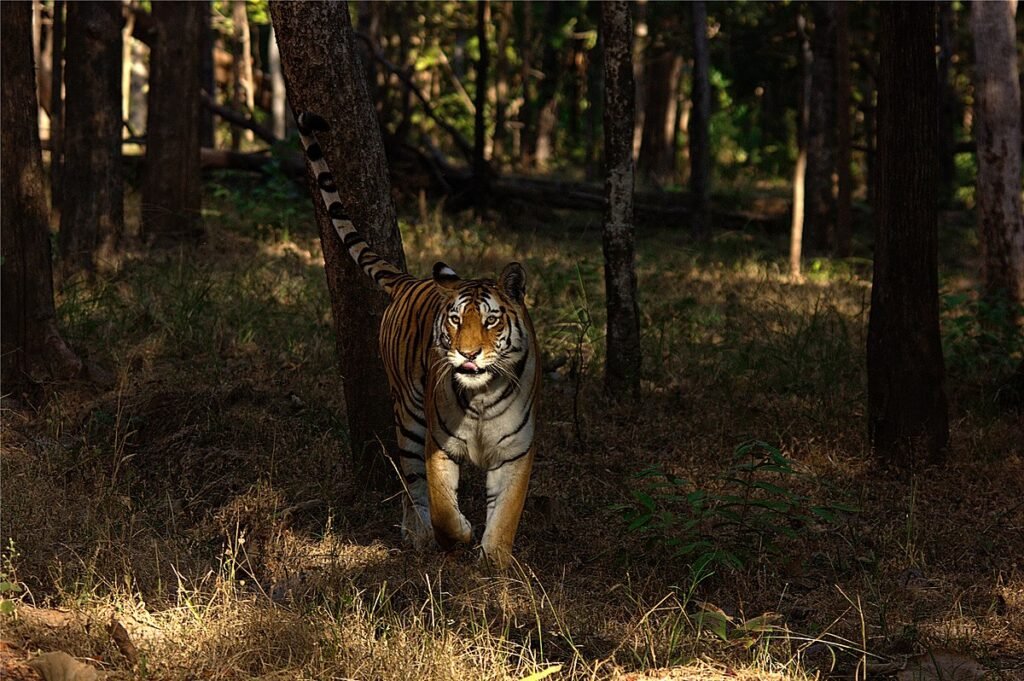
point(481, 332)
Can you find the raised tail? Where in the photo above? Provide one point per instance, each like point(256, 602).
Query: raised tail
point(376, 267)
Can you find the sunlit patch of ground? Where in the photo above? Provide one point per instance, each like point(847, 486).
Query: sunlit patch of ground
point(204, 502)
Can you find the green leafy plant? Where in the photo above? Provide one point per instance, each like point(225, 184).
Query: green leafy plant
point(748, 515)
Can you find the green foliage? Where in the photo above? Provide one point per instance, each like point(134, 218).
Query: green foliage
point(745, 517)
point(980, 335)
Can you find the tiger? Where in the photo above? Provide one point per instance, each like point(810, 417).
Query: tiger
point(463, 367)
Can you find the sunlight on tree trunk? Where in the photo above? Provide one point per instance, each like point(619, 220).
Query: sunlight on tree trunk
point(796, 228)
point(622, 364)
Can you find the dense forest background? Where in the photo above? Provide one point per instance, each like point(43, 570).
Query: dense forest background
point(788, 447)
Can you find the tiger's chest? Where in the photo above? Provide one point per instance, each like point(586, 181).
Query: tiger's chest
point(485, 428)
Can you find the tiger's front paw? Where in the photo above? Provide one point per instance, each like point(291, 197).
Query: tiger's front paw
point(456, 531)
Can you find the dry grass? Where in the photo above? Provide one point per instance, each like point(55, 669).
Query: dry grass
point(205, 501)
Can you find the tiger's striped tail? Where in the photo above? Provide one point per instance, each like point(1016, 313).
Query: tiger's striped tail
point(376, 267)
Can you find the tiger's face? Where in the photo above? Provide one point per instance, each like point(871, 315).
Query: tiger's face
point(480, 333)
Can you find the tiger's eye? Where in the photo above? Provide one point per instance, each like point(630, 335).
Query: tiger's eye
point(491, 321)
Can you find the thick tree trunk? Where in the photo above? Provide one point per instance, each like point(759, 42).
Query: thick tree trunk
point(28, 324)
point(844, 217)
point(57, 109)
point(171, 190)
point(998, 137)
point(906, 397)
point(480, 169)
point(324, 75)
point(656, 161)
point(622, 364)
point(699, 136)
point(819, 211)
point(92, 209)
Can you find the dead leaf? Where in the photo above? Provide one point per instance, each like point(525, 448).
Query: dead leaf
point(59, 666)
point(123, 641)
point(941, 665)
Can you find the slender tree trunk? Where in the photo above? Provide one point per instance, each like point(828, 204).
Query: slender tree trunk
point(57, 110)
point(171, 190)
point(844, 218)
point(279, 99)
point(622, 365)
point(796, 229)
point(92, 209)
point(699, 136)
point(207, 79)
point(906, 396)
point(819, 211)
point(244, 94)
point(126, 72)
point(527, 113)
point(947, 102)
point(480, 169)
point(656, 161)
point(501, 89)
point(998, 136)
point(547, 116)
point(318, 55)
point(28, 324)
point(595, 110)
point(641, 39)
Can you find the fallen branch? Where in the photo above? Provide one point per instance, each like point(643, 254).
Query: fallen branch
point(240, 120)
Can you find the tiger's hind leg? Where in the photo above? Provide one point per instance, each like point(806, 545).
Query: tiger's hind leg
point(416, 527)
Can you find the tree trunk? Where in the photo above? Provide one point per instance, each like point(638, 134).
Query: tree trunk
point(324, 75)
point(244, 95)
point(819, 211)
point(501, 89)
point(699, 136)
point(480, 169)
point(92, 208)
point(28, 328)
point(524, 132)
point(947, 102)
point(639, 54)
point(207, 79)
point(171, 190)
point(998, 137)
point(844, 218)
point(656, 161)
point(279, 99)
point(547, 116)
point(57, 109)
point(622, 364)
point(906, 398)
point(796, 229)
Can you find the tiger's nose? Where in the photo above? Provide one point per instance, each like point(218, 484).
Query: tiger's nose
point(470, 354)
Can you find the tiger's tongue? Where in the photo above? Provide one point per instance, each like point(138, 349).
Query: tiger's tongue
point(469, 366)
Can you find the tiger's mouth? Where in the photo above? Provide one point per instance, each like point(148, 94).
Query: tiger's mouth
point(470, 369)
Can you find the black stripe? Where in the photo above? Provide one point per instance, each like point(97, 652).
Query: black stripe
point(310, 122)
point(413, 477)
point(514, 458)
point(336, 211)
point(314, 152)
point(406, 454)
point(418, 439)
point(352, 239)
point(526, 419)
point(326, 182)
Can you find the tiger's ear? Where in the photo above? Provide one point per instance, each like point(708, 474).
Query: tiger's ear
point(444, 274)
point(513, 281)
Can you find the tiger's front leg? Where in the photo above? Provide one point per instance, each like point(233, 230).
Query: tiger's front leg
point(450, 526)
point(507, 483)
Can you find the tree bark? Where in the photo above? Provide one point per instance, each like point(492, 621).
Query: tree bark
point(28, 323)
point(906, 396)
point(171, 190)
point(699, 125)
point(656, 161)
point(244, 94)
point(480, 169)
point(622, 364)
point(844, 217)
point(947, 102)
point(819, 211)
point(57, 108)
point(998, 137)
point(796, 229)
point(324, 74)
point(92, 208)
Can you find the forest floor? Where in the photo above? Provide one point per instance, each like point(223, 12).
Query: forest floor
point(728, 525)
